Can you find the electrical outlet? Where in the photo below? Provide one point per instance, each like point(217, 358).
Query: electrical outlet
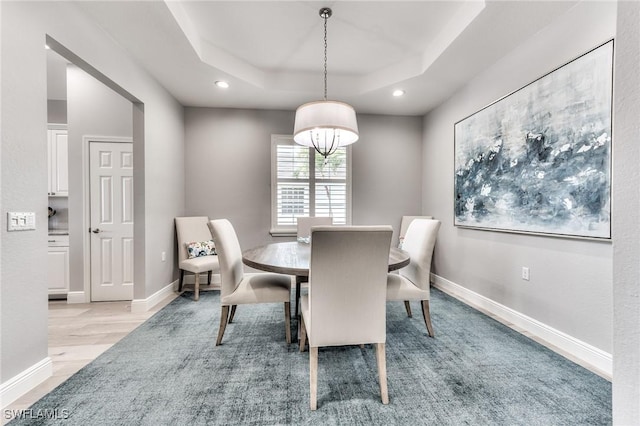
point(163, 256)
point(525, 273)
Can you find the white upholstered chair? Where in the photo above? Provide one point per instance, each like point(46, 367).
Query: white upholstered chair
point(347, 294)
point(404, 224)
point(237, 288)
point(304, 225)
point(413, 281)
point(194, 230)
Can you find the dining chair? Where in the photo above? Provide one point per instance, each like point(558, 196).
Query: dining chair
point(238, 288)
point(404, 224)
point(304, 225)
point(413, 281)
point(347, 292)
point(196, 250)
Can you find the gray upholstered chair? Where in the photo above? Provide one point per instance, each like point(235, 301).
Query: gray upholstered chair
point(194, 230)
point(413, 281)
point(237, 288)
point(346, 304)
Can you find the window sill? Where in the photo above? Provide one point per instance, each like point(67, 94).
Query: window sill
point(283, 232)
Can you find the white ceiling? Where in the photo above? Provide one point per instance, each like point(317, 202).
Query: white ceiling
point(271, 52)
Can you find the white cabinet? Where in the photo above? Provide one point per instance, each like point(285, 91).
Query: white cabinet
point(58, 149)
point(58, 263)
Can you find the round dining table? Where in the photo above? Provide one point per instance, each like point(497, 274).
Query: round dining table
point(292, 258)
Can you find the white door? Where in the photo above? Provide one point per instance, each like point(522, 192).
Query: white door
point(111, 176)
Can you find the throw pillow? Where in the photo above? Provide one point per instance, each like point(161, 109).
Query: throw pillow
point(201, 248)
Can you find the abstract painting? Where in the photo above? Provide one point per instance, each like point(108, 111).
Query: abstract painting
point(539, 159)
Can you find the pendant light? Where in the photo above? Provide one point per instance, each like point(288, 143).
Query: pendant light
point(325, 125)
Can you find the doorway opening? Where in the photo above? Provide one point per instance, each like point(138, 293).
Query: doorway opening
point(97, 111)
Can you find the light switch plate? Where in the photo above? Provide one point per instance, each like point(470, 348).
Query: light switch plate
point(21, 221)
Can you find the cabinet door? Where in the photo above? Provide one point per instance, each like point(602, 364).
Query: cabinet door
point(58, 163)
point(58, 258)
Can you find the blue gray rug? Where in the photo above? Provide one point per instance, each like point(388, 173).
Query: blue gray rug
point(475, 371)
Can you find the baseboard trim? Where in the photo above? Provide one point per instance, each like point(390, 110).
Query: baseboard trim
point(143, 305)
point(19, 385)
point(77, 297)
point(599, 359)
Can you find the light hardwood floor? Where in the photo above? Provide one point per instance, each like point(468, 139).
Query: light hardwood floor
point(78, 333)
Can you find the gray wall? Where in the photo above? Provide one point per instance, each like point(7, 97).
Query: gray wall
point(56, 111)
point(626, 216)
point(164, 168)
point(228, 172)
point(571, 280)
point(386, 170)
point(23, 157)
point(93, 110)
point(23, 179)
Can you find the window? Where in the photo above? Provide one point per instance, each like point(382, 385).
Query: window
point(304, 184)
point(293, 201)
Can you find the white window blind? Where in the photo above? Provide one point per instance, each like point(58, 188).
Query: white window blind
point(304, 184)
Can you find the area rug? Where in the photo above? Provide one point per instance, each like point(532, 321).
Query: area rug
point(475, 371)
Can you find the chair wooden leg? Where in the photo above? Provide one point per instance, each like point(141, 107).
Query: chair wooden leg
point(233, 312)
point(181, 280)
point(299, 281)
point(224, 316)
point(303, 335)
point(407, 306)
point(287, 321)
point(427, 317)
point(196, 291)
point(382, 371)
point(313, 377)
point(209, 278)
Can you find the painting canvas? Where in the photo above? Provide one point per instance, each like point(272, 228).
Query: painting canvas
point(539, 159)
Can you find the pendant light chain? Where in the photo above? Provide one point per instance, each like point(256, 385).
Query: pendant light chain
point(326, 16)
point(325, 125)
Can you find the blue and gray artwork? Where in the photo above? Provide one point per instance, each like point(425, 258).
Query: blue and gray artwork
point(539, 160)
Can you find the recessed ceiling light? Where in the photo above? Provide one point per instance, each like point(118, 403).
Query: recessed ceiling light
point(46, 46)
point(222, 84)
point(398, 92)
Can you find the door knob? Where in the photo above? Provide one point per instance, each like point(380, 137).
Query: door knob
point(96, 231)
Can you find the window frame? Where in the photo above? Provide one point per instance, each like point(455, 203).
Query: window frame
point(288, 230)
